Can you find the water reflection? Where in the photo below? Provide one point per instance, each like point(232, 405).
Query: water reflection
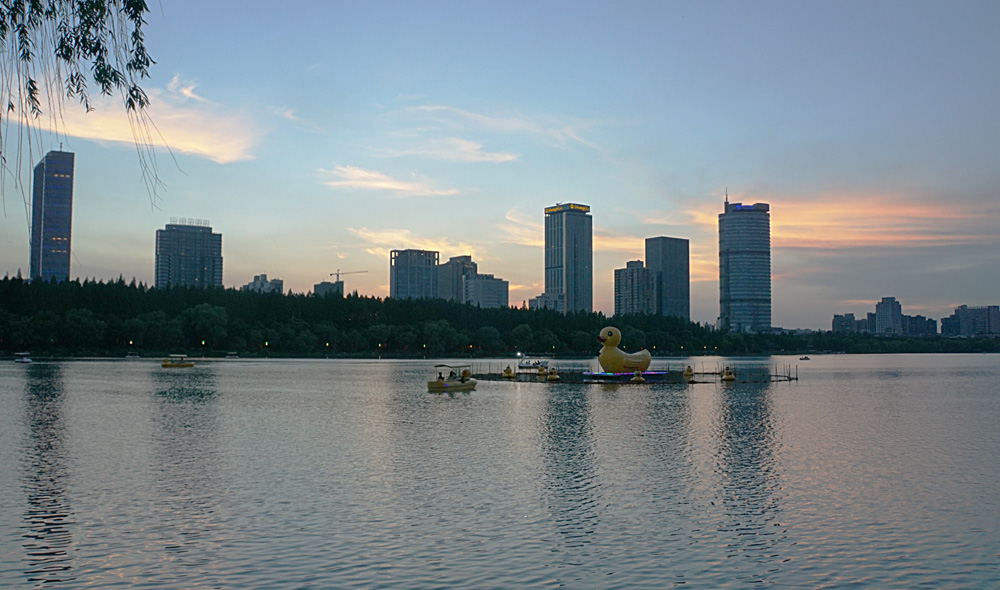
point(188, 489)
point(749, 483)
point(49, 518)
point(568, 464)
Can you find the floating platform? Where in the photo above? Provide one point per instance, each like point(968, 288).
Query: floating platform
point(571, 375)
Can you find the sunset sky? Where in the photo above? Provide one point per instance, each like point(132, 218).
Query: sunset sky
point(317, 136)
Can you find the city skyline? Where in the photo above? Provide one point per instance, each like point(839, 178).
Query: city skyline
point(870, 130)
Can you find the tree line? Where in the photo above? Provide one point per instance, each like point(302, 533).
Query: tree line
point(95, 318)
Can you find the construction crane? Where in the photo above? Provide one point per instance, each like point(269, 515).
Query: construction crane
point(346, 272)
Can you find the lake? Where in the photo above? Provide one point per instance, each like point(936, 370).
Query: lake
point(875, 471)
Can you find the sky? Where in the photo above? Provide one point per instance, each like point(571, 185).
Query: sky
point(318, 136)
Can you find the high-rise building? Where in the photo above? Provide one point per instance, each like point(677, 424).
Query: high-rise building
point(413, 274)
point(485, 291)
point(669, 260)
point(972, 321)
point(260, 284)
point(450, 275)
point(888, 316)
point(569, 259)
point(188, 254)
point(635, 289)
point(52, 217)
point(745, 267)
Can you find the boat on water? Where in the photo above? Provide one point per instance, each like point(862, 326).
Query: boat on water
point(532, 364)
point(458, 378)
point(232, 355)
point(22, 357)
point(804, 358)
point(132, 356)
point(177, 361)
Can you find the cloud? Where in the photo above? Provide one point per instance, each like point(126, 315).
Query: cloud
point(353, 177)
point(521, 229)
point(207, 130)
point(561, 132)
point(185, 88)
point(381, 241)
point(452, 149)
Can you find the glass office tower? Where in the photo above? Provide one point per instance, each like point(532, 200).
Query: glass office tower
point(745, 268)
point(569, 258)
point(52, 217)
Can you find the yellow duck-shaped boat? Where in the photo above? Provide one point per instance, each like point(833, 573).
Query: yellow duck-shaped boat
point(614, 359)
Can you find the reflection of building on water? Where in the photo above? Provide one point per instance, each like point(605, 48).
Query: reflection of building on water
point(48, 519)
point(187, 489)
point(749, 484)
point(568, 461)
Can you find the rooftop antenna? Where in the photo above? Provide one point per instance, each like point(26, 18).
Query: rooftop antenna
point(727, 194)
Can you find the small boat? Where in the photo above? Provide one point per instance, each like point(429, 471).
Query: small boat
point(177, 361)
point(459, 379)
point(232, 355)
point(804, 358)
point(22, 357)
point(531, 365)
point(132, 356)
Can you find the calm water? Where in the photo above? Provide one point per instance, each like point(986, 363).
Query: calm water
point(870, 472)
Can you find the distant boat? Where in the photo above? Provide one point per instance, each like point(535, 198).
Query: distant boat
point(22, 357)
point(132, 356)
point(177, 361)
point(232, 355)
point(459, 379)
point(804, 358)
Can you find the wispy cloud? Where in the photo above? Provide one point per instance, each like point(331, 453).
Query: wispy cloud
point(355, 178)
point(184, 88)
point(289, 114)
point(832, 222)
point(203, 129)
point(381, 241)
point(451, 149)
point(521, 229)
point(561, 131)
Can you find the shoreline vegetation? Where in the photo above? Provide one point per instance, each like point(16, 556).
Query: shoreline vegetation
point(95, 319)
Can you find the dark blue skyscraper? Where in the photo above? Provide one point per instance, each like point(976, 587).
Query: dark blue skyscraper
point(670, 260)
point(52, 217)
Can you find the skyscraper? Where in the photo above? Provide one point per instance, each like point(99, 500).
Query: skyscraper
point(52, 217)
point(888, 316)
point(745, 267)
point(569, 259)
point(669, 260)
point(635, 289)
point(188, 254)
point(413, 274)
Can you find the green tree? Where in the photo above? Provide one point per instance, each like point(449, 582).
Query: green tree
point(50, 48)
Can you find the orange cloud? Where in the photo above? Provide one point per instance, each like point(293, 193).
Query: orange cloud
point(203, 129)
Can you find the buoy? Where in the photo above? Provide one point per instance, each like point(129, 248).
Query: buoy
point(688, 373)
point(637, 377)
point(728, 375)
point(553, 376)
point(507, 373)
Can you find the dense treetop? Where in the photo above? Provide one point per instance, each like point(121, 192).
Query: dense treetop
point(107, 319)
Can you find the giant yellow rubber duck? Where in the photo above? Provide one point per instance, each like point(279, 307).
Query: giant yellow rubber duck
point(616, 360)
